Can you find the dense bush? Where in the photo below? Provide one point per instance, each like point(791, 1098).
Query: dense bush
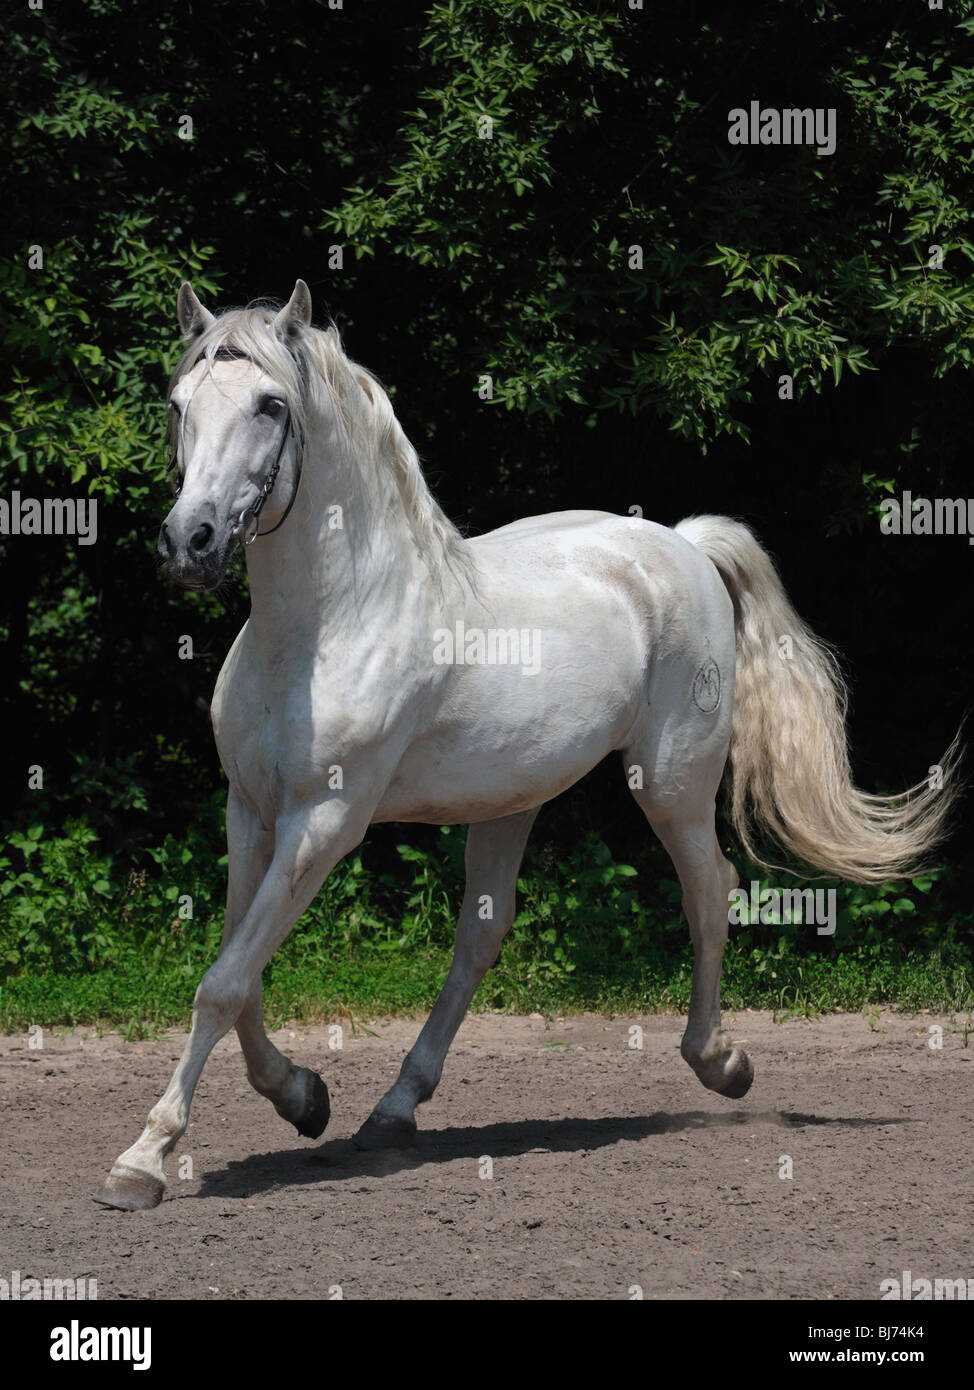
point(619, 379)
point(131, 944)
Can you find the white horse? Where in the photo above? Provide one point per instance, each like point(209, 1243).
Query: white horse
point(393, 670)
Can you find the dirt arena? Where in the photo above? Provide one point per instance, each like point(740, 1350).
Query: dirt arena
point(555, 1161)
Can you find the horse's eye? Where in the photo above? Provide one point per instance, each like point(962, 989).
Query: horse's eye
point(270, 405)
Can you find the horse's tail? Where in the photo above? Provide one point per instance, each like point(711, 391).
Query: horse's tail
point(789, 756)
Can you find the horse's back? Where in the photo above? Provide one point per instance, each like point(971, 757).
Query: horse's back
point(578, 622)
point(593, 561)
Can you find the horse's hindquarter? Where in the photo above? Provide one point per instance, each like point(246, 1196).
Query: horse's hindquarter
point(577, 617)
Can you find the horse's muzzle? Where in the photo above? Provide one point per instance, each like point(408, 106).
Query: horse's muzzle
point(195, 559)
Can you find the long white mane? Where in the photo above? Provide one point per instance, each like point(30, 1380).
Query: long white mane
point(315, 373)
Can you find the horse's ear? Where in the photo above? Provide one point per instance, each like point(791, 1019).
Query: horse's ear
point(296, 313)
point(193, 318)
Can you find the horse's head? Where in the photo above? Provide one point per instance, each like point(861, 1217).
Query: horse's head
point(235, 441)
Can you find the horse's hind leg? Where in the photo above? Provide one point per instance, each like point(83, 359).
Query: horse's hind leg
point(493, 856)
point(707, 879)
point(682, 760)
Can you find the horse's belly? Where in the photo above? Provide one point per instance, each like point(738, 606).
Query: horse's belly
point(504, 741)
point(442, 785)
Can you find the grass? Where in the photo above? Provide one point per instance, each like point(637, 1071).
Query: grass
point(369, 984)
point(87, 939)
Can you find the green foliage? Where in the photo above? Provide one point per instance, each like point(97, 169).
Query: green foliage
point(71, 907)
point(730, 281)
point(54, 900)
point(84, 937)
point(463, 256)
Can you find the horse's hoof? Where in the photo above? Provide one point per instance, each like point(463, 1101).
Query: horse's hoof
point(740, 1082)
point(305, 1104)
point(386, 1132)
point(312, 1123)
point(130, 1191)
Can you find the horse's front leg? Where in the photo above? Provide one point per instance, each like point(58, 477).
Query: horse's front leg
point(493, 856)
point(298, 1094)
point(307, 847)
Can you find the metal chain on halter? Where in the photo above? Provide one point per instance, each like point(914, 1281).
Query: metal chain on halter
point(248, 522)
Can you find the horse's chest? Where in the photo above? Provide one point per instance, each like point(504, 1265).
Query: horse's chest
point(249, 738)
point(281, 746)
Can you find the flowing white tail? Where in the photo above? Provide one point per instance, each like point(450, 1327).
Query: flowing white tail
point(789, 756)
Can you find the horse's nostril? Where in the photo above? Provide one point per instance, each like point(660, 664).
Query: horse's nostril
point(200, 538)
point(165, 544)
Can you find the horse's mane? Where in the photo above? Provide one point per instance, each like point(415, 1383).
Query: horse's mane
point(313, 361)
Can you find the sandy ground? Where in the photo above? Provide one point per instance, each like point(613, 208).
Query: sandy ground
point(555, 1161)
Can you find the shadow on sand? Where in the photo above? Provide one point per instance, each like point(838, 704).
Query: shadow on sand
point(338, 1160)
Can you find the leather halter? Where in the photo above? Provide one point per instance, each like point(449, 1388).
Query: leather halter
point(247, 529)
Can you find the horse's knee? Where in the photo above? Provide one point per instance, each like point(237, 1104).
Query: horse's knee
point(220, 998)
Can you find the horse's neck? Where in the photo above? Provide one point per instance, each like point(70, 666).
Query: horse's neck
point(344, 556)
